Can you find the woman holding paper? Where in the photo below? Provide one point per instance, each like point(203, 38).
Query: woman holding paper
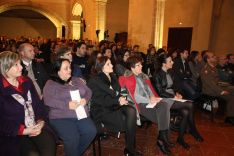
point(22, 114)
point(67, 98)
point(109, 108)
point(163, 83)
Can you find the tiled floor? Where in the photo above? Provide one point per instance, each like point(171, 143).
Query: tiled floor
point(218, 136)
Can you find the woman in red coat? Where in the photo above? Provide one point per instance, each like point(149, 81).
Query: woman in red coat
point(144, 95)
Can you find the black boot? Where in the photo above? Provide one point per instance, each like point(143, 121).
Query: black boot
point(196, 135)
point(183, 127)
point(192, 126)
point(183, 143)
point(169, 143)
point(162, 142)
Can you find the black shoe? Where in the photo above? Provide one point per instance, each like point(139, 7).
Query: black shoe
point(135, 153)
point(163, 147)
point(164, 136)
point(197, 136)
point(183, 144)
point(229, 120)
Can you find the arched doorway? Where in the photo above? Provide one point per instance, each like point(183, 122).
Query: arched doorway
point(57, 22)
point(29, 24)
point(77, 21)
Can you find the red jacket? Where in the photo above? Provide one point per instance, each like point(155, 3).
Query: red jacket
point(129, 82)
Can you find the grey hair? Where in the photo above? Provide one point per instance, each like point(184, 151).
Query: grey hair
point(7, 60)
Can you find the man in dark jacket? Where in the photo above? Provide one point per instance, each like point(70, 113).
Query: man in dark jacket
point(31, 68)
point(183, 74)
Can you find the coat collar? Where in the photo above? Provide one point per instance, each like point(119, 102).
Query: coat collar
point(129, 73)
point(21, 80)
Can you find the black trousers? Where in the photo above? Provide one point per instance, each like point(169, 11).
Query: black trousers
point(123, 119)
point(41, 145)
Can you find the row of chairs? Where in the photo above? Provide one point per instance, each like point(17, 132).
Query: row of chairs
point(174, 123)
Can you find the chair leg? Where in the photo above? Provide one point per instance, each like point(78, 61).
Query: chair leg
point(212, 112)
point(99, 146)
point(94, 147)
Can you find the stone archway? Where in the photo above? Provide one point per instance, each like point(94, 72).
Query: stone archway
point(53, 18)
point(76, 21)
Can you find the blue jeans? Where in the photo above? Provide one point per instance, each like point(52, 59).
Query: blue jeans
point(76, 134)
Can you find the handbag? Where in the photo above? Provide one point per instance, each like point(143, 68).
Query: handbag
point(210, 104)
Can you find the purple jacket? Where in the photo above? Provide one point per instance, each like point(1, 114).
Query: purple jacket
point(12, 113)
point(57, 96)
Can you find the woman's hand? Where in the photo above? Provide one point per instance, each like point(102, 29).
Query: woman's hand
point(73, 105)
point(40, 123)
point(154, 99)
point(178, 96)
point(33, 130)
point(83, 102)
point(123, 101)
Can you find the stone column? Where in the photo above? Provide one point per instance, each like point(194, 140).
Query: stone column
point(100, 6)
point(75, 28)
point(59, 31)
point(159, 23)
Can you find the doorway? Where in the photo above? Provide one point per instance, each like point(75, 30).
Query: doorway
point(180, 38)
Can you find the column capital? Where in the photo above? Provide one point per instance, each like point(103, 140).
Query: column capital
point(103, 1)
point(161, 0)
point(75, 22)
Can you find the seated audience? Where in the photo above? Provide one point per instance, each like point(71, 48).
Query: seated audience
point(76, 132)
point(22, 113)
point(81, 59)
point(108, 107)
point(163, 83)
point(195, 66)
point(143, 94)
point(230, 58)
point(224, 72)
point(92, 61)
point(151, 58)
point(183, 75)
point(173, 52)
point(121, 64)
point(31, 68)
point(211, 85)
point(66, 53)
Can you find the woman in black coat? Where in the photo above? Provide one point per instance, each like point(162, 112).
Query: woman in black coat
point(108, 107)
point(163, 83)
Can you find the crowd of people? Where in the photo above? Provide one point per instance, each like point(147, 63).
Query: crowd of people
point(115, 85)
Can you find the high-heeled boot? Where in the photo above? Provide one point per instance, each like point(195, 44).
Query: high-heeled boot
point(183, 127)
point(192, 126)
point(169, 143)
point(162, 142)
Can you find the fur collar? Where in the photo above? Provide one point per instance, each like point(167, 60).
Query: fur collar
point(129, 73)
point(60, 81)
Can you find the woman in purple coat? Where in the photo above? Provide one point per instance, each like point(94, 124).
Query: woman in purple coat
point(21, 113)
point(68, 114)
